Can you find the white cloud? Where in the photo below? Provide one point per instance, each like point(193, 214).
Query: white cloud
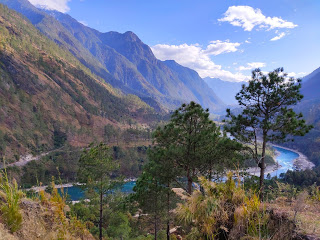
point(59, 5)
point(248, 18)
point(252, 65)
point(218, 47)
point(297, 75)
point(281, 35)
point(197, 58)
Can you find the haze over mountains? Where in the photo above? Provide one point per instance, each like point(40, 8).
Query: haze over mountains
point(123, 60)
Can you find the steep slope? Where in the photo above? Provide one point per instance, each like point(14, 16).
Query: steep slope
point(225, 90)
point(131, 63)
point(46, 93)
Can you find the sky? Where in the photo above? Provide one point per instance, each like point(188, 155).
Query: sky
point(218, 38)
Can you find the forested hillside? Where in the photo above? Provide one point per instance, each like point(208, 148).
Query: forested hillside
point(48, 97)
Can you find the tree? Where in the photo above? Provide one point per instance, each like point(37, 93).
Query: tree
point(164, 173)
point(150, 193)
point(191, 141)
point(96, 170)
point(266, 111)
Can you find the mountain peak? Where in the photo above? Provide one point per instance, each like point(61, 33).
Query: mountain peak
point(132, 36)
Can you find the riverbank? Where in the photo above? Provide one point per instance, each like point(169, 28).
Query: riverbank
point(68, 185)
point(301, 162)
point(42, 188)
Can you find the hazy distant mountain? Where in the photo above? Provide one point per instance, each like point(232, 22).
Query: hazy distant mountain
point(122, 60)
point(311, 85)
point(224, 89)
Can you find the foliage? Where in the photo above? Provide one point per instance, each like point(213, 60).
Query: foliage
point(303, 178)
point(119, 226)
point(9, 204)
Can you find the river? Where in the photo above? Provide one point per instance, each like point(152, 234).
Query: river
point(75, 193)
point(284, 157)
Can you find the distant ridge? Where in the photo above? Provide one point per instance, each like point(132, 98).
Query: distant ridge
point(224, 89)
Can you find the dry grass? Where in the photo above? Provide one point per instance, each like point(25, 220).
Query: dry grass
point(307, 218)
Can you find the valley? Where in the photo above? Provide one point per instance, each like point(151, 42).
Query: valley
point(164, 139)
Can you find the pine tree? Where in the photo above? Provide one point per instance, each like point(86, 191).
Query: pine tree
point(96, 169)
point(267, 112)
point(194, 144)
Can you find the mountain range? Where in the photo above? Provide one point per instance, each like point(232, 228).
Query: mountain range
point(122, 60)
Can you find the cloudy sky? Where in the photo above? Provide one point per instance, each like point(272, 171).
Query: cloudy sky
point(217, 38)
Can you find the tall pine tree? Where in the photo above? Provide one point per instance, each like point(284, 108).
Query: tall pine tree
point(267, 113)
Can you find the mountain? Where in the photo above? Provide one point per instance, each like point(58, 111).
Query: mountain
point(224, 89)
point(133, 63)
point(47, 96)
point(122, 60)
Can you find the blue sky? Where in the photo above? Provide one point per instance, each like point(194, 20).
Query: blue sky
point(224, 39)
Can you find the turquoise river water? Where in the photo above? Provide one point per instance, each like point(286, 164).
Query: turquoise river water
point(285, 159)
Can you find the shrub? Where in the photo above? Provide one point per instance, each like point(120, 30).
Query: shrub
point(10, 200)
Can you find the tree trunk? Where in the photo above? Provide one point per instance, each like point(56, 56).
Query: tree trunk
point(168, 212)
point(100, 220)
point(155, 227)
point(189, 188)
point(168, 230)
point(262, 165)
